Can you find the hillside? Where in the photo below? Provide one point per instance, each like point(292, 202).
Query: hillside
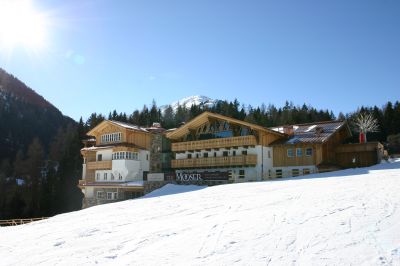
point(25, 115)
point(339, 218)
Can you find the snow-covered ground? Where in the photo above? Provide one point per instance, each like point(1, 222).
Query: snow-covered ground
point(349, 217)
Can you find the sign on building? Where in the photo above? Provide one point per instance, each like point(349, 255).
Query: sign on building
point(202, 176)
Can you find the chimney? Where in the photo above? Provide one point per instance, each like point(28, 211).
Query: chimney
point(288, 130)
point(362, 137)
point(319, 130)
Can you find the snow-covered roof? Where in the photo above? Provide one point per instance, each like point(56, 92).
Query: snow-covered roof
point(96, 148)
point(138, 184)
point(128, 126)
point(309, 133)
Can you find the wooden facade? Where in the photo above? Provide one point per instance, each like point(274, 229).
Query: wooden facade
point(213, 123)
point(99, 165)
point(323, 153)
point(231, 161)
point(329, 147)
point(135, 137)
point(139, 139)
point(214, 143)
point(359, 155)
point(281, 158)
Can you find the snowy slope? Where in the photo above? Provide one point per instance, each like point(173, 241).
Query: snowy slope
point(349, 217)
point(189, 101)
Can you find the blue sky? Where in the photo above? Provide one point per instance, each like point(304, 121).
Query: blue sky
point(102, 55)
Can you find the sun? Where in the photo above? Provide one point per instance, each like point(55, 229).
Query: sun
point(21, 25)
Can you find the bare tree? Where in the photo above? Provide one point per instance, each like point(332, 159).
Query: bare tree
point(365, 123)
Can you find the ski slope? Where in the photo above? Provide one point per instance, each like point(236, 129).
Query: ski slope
point(348, 217)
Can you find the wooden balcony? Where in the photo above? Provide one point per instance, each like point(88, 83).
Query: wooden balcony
point(214, 143)
point(241, 160)
point(99, 165)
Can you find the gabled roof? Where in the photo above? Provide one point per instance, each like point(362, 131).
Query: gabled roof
point(129, 126)
point(118, 124)
point(204, 117)
point(318, 132)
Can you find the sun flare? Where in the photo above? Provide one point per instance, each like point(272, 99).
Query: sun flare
point(21, 25)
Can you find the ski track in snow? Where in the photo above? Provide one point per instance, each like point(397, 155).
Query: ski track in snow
point(349, 217)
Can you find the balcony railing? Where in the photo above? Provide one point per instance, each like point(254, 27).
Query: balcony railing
point(99, 165)
point(214, 143)
point(242, 160)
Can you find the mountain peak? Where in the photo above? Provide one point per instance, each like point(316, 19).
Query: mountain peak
point(189, 101)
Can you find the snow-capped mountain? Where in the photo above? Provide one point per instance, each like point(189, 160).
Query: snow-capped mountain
point(189, 101)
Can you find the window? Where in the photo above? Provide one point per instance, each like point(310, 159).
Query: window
point(299, 152)
point(98, 176)
point(100, 194)
point(309, 152)
point(112, 195)
point(197, 155)
point(113, 137)
point(119, 176)
point(295, 172)
point(269, 154)
point(234, 153)
point(290, 152)
point(109, 195)
point(244, 152)
point(112, 176)
point(278, 173)
point(125, 155)
point(105, 176)
point(147, 157)
point(205, 155)
point(306, 171)
point(225, 153)
point(215, 154)
point(241, 173)
point(189, 156)
point(99, 157)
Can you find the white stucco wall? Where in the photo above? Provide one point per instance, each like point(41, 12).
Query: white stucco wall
point(130, 170)
point(106, 154)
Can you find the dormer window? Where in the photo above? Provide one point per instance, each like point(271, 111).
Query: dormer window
point(112, 137)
